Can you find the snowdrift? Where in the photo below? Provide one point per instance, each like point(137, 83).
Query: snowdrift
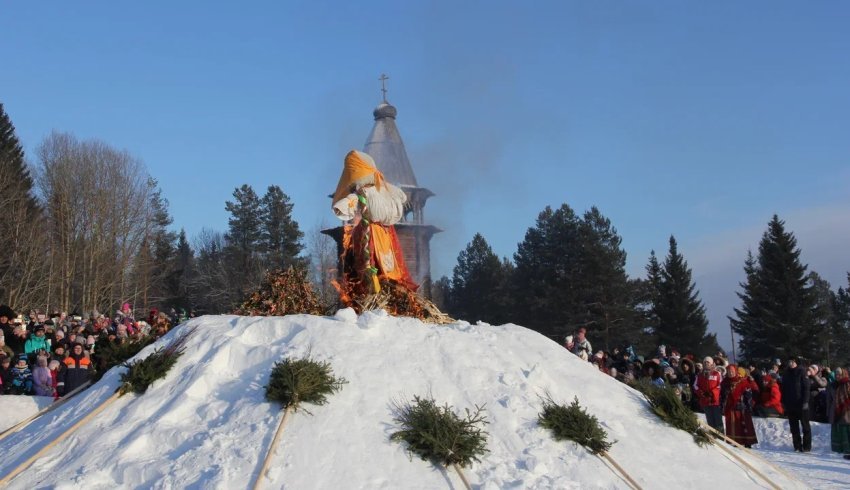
point(207, 425)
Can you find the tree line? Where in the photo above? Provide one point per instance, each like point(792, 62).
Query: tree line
point(85, 227)
point(569, 271)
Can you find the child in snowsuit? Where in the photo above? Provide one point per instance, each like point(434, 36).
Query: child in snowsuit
point(42, 379)
point(21, 377)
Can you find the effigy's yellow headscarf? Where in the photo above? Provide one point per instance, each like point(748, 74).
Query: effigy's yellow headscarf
point(359, 168)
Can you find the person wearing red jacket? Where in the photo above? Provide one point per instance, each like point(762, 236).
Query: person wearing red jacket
point(771, 398)
point(739, 407)
point(707, 389)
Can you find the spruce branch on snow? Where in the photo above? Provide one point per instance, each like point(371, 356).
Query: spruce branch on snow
point(142, 373)
point(293, 382)
point(667, 404)
point(438, 434)
point(110, 354)
point(297, 381)
point(575, 424)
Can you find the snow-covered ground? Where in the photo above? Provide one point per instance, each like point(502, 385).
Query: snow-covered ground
point(821, 469)
point(207, 425)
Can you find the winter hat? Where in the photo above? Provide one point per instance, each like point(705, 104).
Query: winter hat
point(742, 372)
point(60, 334)
point(53, 365)
point(816, 368)
point(23, 358)
point(569, 339)
point(125, 307)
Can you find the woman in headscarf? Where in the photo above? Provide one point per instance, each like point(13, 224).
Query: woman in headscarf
point(839, 413)
point(739, 406)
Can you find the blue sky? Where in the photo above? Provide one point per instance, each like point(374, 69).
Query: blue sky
point(698, 119)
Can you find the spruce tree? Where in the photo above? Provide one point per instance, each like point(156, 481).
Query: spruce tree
point(680, 313)
point(244, 241)
point(839, 339)
point(606, 295)
point(180, 274)
point(22, 269)
point(281, 236)
point(546, 261)
point(479, 284)
point(570, 271)
point(777, 317)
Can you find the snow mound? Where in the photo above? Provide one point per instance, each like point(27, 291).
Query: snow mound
point(207, 424)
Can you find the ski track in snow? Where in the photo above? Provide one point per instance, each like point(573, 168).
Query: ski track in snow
point(207, 424)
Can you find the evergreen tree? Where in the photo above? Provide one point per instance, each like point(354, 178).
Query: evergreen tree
point(570, 271)
point(479, 283)
point(604, 290)
point(22, 264)
point(680, 313)
point(160, 240)
point(777, 318)
point(546, 261)
point(244, 241)
point(280, 233)
point(181, 268)
point(839, 339)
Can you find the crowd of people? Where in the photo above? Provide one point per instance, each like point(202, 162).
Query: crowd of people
point(731, 395)
point(51, 355)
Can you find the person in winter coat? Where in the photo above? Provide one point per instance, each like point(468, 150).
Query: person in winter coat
point(739, 407)
point(795, 402)
point(771, 398)
point(21, 377)
point(42, 380)
point(4, 349)
point(707, 390)
point(6, 316)
point(37, 343)
point(5, 374)
point(55, 369)
point(839, 412)
point(817, 395)
point(581, 346)
point(78, 370)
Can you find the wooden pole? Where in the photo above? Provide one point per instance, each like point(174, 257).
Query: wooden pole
point(272, 447)
point(625, 475)
point(748, 466)
point(751, 453)
point(462, 476)
point(53, 406)
point(26, 464)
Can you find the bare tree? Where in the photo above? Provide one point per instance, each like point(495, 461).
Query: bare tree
point(98, 213)
point(210, 286)
point(323, 262)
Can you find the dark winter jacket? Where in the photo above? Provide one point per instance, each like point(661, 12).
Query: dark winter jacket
point(6, 377)
point(795, 389)
point(78, 371)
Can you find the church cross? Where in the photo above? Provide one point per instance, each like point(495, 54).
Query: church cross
point(383, 80)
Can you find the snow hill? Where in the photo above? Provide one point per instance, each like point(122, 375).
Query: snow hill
point(207, 425)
